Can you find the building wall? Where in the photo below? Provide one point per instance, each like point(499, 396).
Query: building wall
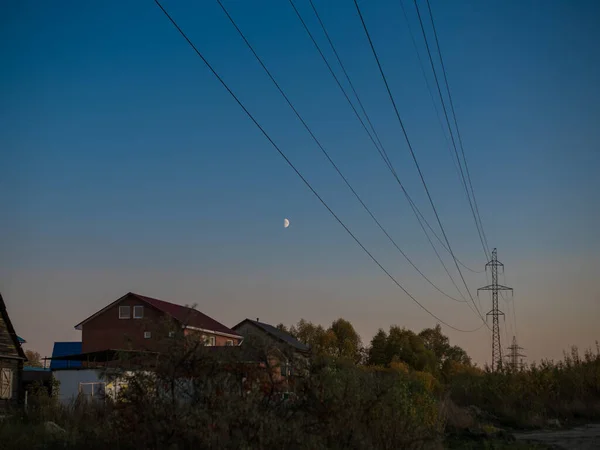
point(16, 368)
point(8, 360)
point(107, 331)
point(219, 340)
point(7, 344)
point(70, 380)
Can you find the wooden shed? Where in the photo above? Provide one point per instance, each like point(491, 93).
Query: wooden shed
point(12, 358)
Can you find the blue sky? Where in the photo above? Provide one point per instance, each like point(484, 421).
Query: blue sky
point(127, 166)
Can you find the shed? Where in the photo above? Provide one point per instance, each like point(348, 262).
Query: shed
point(12, 357)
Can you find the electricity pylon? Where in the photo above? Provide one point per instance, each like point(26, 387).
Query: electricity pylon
point(514, 355)
point(493, 265)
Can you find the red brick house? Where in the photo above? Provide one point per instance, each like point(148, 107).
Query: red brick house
point(136, 322)
point(11, 362)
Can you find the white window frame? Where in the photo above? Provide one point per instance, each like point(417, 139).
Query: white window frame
point(122, 316)
point(229, 343)
point(210, 341)
point(6, 390)
point(147, 334)
point(137, 308)
point(93, 384)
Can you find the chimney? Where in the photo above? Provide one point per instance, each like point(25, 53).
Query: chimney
point(257, 319)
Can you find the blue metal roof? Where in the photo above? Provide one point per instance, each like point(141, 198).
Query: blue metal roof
point(21, 340)
point(34, 369)
point(65, 349)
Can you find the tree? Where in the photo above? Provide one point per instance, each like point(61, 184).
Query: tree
point(283, 328)
point(404, 345)
point(347, 342)
point(340, 340)
point(434, 340)
point(376, 353)
point(33, 359)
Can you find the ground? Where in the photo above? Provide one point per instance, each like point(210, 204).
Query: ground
point(579, 438)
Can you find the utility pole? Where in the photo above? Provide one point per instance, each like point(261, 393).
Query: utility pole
point(514, 355)
point(493, 265)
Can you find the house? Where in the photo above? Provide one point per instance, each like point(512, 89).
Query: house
point(72, 377)
point(287, 355)
point(12, 357)
point(137, 322)
point(272, 334)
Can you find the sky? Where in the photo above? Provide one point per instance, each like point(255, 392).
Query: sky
point(126, 166)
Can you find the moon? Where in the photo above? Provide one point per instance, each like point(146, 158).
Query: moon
point(286, 223)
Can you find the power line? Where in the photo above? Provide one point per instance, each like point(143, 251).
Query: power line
point(308, 129)
point(413, 153)
point(464, 181)
point(456, 123)
point(339, 60)
point(430, 90)
point(381, 151)
point(304, 180)
point(513, 307)
point(386, 158)
point(437, 113)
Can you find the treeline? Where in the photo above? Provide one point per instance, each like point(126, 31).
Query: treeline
point(403, 389)
point(427, 351)
point(529, 396)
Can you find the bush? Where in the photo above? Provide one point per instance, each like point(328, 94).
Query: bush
point(567, 390)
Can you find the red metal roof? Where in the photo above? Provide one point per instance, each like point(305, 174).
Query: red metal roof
point(183, 314)
point(187, 316)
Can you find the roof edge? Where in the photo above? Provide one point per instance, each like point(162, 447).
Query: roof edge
point(11, 330)
point(97, 313)
point(256, 323)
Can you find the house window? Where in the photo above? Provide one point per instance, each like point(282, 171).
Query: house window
point(124, 312)
point(6, 388)
point(93, 390)
point(210, 341)
point(229, 343)
point(147, 334)
point(138, 312)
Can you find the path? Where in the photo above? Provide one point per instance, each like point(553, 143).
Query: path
point(580, 438)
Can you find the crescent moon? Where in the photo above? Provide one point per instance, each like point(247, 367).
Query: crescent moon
point(286, 223)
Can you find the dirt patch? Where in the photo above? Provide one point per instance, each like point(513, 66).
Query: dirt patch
point(579, 438)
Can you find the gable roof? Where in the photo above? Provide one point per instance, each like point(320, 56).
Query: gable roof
point(11, 329)
point(189, 317)
point(64, 349)
point(277, 334)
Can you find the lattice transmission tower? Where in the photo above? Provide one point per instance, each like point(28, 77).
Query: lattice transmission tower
point(494, 265)
point(514, 355)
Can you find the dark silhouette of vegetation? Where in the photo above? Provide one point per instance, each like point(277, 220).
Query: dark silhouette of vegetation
point(33, 359)
point(406, 390)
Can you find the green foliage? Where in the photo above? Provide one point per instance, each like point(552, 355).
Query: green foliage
point(566, 390)
point(402, 345)
point(33, 359)
point(377, 351)
point(340, 340)
point(193, 399)
point(347, 341)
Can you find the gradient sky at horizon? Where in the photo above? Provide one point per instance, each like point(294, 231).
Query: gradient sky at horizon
point(127, 167)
